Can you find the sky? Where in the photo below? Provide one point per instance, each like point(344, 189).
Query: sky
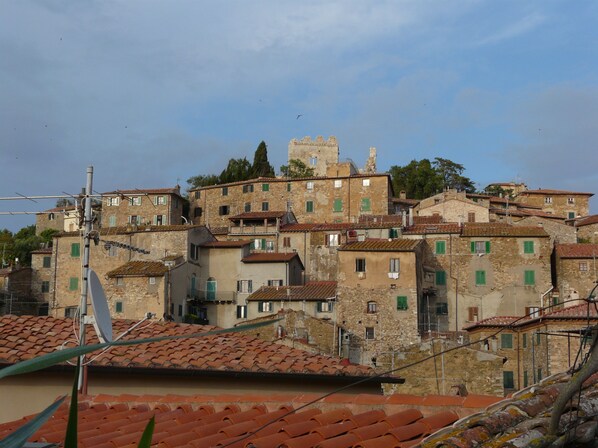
point(152, 92)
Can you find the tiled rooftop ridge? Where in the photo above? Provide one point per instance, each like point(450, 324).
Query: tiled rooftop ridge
point(279, 421)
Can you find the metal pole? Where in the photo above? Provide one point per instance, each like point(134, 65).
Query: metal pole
point(82, 383)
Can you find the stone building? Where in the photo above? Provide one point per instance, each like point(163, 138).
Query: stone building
point(380, 284)
point(557, 229)
point(15, 291)
point(536, 346)
point(576, 271)
point(262, 228)
point(116, 247)
point(158, 207)
point(343, 198)
point(567, 204)
point(42, 273)
point(51, 219)
point(586, 228)
point(317, 154)
point(453, 206)
point(482, 270)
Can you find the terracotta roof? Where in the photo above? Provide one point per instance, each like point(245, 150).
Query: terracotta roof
point(554, 192)
point(582, 311)
point(270, 257)
point(496, 321)
point(24, 337)
point(258, 215)
point(311, 291)
point(379, 245)
point(501, 229)
point(64, 208)
point(439, 228)
point(586, 220)
point(125, 230)
point(226, 244)
point(139, 269)
point(576, 250)
point(252, 421)
point(434, 219)
point(47, 250)
point(526, 212)
point(137, 191)
point(523, 420)
point(411, 202)
point(219, 230)
point(339, 226)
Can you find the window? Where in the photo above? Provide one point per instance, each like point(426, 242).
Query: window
point(365, 205)
point(152, 280)
point(528, 247)
point(480, 247)
point(45, 286)
point(360, 265)
point(51, 217)
point(548, 200)
point(393, 233)
point(160, 200)
point(265, 206)
point(264, 307)
point(70, 311)
point(571, 215)
point(48, 262)
point(118, 307)
point(286, 241)
point(275, 283)
point(112, 250)
point(75, 249)
point(197, 212)
point(338, 205)
point(135, 200)
point(442, 308)
point(332, 240)
point(247, 207)
point(440, 247)
point(313, 161)
point(259, 244)
point(583, 266)
point(265, 187)
point(506, 340)
point(241, 311)
point(533, 311)
point(394, 265)
point(180, 310)
point(480, 278)
point(309, 185)
point(570, 200)
point(538, 338)
point(324, 307)
point(248, 188)
point(245, 286)
point(525, 379)
point(524, 340)
point(309, 206)
point(369, 333)
point(372, 307)
point(472, 313)
point(365, 182)
point(224, 191)
point(402, 303)
point(197, 194)
point(289, 186)
point(539, 377)
point(440, 278)
point(134, 219)
point(471, 217)
point(112, 221)
point(338, 183)
point(159, 220)
point(270, 246)
point(73, 283)
point(113, 201)
point(194, 251)
point(120, 281)
point(223, 210)
point(529, 278)
point(507, 380)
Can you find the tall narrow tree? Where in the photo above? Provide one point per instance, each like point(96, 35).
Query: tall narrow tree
point(261, 167)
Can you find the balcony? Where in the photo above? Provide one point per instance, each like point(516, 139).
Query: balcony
point(270, 229)
point(203, 295)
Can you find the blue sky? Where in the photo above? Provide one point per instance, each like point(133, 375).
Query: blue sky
point(154, 92)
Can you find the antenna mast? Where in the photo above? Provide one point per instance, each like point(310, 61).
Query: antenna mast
point(82, 383)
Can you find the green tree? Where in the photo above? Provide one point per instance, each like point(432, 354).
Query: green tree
point(65, 202)
point(47, 236)
point(203, 180)
point(451, 175)
point(296, 169)
point(261, 167)
point(237, 170)
point(25, 241)
point(418, 179)
point(6, 247)
point(498, 191)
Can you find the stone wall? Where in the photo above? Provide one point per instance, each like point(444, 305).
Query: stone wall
point(136, 296)
point(572, 280)
point(453, 206)
point(558, 204)
point(317, 154)
point(144, 208)
point(41, 274)
point(587, 233)
point(560, 233)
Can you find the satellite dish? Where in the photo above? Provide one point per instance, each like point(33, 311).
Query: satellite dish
point(103, 322)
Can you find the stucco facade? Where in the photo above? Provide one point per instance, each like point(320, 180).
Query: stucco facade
point(453, 206)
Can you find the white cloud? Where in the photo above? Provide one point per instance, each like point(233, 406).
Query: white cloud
point(522, 26)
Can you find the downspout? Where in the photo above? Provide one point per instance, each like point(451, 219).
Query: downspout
point(305, 252)
point(55, 271)
point(544, 295)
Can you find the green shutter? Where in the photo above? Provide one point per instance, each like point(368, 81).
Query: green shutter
point(487, 247)
point(75, 249)
point(260, 307)
point(47, 262)
point(289, 186)
point(319, 307)
point(440, 247)
point(338, 205)
point(506, 340)
point(525, 379)
point(524, 340)
point(119, 307)
point(529, 278)
point(265, 187)
point(472, 244)
point(263, 243)
point(402, 303)
point(528, 247)
point(309, 206)
point(507, 380)
point(73, 283)
point(440, 278)
point(480, 277)
point(365, 204)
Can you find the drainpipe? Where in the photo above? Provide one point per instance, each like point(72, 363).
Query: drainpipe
point(544, 295)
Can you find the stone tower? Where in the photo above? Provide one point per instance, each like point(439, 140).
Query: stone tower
point(317, 154)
